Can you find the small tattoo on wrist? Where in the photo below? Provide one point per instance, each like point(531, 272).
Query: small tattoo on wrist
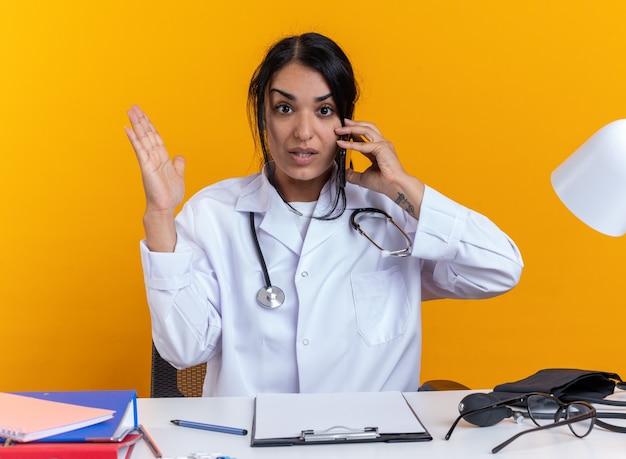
point(403, 202)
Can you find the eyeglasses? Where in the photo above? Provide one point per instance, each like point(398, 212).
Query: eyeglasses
point(357, 221)
point(546, 411)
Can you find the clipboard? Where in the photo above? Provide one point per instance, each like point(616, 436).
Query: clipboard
point(353, 417)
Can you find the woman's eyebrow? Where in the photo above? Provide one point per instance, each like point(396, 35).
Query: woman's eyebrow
point(289, 96)
point(323, 98)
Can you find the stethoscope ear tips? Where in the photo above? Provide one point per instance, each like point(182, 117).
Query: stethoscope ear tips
point(270, 297)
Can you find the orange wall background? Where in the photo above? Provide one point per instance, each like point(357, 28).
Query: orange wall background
point(482, 100)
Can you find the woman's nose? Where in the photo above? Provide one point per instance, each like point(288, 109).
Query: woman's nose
point(304, 127)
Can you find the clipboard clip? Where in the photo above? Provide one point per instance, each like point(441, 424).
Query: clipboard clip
point(336, 433)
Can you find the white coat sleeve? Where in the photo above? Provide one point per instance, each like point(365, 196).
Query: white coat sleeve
point(185, 328)
point(464, 254)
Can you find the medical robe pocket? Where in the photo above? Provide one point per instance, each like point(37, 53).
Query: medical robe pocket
point(381, 305)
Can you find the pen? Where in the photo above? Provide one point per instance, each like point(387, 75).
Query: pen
point(151, 444)
point(211, 427)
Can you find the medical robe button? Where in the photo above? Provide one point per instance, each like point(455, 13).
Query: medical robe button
point(305, 342)
point(304, 274)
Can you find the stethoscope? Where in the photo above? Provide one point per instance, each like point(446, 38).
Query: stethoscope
point(271, 297)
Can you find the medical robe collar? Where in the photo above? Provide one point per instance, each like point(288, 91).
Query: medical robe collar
point(259, 194)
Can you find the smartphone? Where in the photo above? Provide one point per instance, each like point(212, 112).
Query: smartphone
point(344, 161)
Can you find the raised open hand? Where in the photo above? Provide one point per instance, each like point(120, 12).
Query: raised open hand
point(162, 178)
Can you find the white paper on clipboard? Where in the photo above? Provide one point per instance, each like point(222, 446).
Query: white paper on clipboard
point(288, 415)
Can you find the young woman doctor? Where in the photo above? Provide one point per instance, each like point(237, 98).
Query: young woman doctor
point(267, 277)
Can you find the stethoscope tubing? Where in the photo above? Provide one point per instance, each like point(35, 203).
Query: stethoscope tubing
point(255, 238)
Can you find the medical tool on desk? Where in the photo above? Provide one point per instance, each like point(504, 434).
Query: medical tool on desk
point(545, 410)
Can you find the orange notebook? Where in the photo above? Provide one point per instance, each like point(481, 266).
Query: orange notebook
point(26, 418)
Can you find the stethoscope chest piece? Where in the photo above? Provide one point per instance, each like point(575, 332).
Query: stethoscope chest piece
point(270, 297)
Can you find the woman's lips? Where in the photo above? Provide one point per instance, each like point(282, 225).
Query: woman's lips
point(303, 156)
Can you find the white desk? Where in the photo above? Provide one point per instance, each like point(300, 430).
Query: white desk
point(437, 411)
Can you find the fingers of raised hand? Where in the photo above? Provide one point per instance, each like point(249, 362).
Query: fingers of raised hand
point(143, 136)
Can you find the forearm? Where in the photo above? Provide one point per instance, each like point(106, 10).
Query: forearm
point(408, 192)
point(160, 230)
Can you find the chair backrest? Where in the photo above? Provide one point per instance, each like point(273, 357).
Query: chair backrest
point(167, 381)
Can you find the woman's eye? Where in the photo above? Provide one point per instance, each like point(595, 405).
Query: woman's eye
point(326, 111)
point(282, 108)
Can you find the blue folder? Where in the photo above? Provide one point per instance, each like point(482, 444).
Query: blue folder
point(124, 420)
